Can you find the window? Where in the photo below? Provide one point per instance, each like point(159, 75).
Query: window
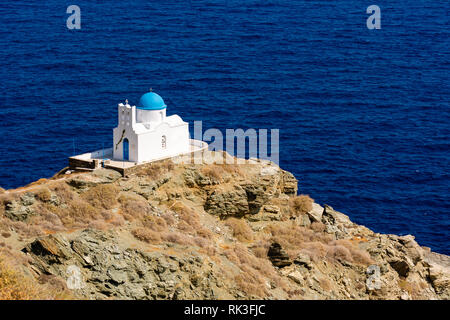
point(163, 142)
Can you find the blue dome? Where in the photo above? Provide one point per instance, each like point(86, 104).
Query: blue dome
point(151, 101)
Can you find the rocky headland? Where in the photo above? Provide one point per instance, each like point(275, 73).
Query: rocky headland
point(185, 231)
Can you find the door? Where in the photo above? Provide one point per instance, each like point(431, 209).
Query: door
point(126, 150)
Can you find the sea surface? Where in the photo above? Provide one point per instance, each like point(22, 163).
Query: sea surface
point(363, 114)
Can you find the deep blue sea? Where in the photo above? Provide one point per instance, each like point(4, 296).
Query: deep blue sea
point(363, 114)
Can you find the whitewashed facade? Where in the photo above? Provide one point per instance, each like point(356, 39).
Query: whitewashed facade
point(145, 133)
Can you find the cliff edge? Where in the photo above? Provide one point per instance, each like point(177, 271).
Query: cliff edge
point(185, 231)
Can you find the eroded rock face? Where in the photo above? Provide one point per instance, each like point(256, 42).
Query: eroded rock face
point(227, 203)
point(248, 197)
point(20, 210)
point(330, 254)
point(110, 269)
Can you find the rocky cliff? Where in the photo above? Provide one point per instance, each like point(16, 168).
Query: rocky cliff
point(184, 231)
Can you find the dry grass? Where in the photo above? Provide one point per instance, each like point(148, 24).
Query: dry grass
point(146, 235)
point(177, 237)
point(26, 230)
point(345, 250)
point(293, 238)
point(256, 272)
point(102, 196)
point(5, 199)
point(15, 286)
point(216, 172)
point(189, 221)
point(134, 207)
point(43, 194)
point(241, 230)
point(300, 205)
point(6, 234)
point(78, 212)
point(317, 226)
point(316, 250)
point(46, 218)
point(205, 233)
point(154, 223)
point(261, 248)
point(251, 282)
point(213, 171)
point(156, 170)
point(98, 224)
point(63, 191)
point(325, 284)
point(233, 169)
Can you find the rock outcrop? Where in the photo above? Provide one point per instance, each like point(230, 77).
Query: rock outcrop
point(184, 231)
point(278, 256)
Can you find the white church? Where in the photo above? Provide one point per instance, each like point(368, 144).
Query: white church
point(145, 133)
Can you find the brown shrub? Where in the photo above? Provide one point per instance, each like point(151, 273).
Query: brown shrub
point(26, 230)
point(154, 223)
point(102, 196)
point(293, 238)
point(5, 199)
point(187, 215)
point(46, 217)
point(15, 286)
point(134, 207)
point(117, 220)
point(216, 172)
point(177, 237)
point(205, 233)
point(361, 257)
point(205, 244)
point(156, 169)
point(315, 250)
point(300, 204)
point(213, 171)
point(6, 234)
point(317, 226)
point(259, 271)
point(98, 224)
point(168, 216)
point(43, 194)
point(77, 213)
point(241, 230)
point(260, 249)
point(339, 253)
point(351, 253)
point(63, 191)
point(250, 282)
point(183, 226)
point(234, 169)
point(325, 284)
point(146, 235)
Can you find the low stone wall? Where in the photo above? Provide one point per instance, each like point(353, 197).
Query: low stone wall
point(85, 160)
point(77, 163)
